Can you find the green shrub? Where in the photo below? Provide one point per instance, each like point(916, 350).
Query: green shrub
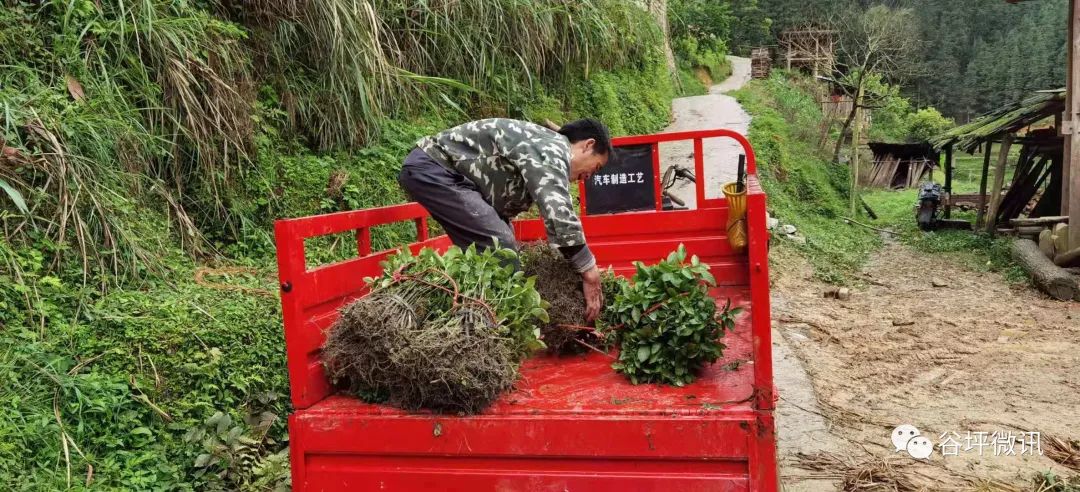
point(666, 325)
point(898, 121)
point(125, 374)
point(927, 123)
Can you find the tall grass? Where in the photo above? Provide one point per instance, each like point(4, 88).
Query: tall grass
point(111, 109)
point(344, 64)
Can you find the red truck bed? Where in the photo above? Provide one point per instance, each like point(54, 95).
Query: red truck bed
point(571, 423)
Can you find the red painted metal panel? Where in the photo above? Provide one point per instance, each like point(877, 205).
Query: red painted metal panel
point(764, 470)
point(321, 225)
point(488, 477)
point(758, 257)
point(346, 451)
point(660, 438)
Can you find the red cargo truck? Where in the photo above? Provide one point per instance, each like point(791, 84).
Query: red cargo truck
point(572, 423)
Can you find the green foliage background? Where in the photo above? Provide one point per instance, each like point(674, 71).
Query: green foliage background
point(975, 55)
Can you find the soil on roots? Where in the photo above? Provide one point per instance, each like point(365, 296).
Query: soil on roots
point(388, 347)
point(560, 285)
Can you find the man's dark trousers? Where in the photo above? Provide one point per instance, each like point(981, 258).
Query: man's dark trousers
point(455, 202)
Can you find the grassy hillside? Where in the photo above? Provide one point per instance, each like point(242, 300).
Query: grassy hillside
point(804, 188)
point(153, 143)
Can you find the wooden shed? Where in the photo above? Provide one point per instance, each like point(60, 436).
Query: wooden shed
point(901, 165)
point(1036, 188)
point(809, 48)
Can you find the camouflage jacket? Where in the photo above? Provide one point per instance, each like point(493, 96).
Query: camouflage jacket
point(514, 163)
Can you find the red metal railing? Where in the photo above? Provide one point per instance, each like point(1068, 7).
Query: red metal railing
point(311, 296)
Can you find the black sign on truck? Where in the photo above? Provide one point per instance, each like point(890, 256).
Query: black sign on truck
point(625, 184)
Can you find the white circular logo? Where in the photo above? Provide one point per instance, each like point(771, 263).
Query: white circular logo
point(902, 434)
point(919, 447)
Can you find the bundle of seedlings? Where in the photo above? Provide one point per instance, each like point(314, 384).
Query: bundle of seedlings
point(439, 332)
point(559, 284)
point(666, 324)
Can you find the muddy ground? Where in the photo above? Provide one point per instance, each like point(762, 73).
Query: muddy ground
point(973, 355)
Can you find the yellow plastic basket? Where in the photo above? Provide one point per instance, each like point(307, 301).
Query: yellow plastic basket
point(736, 221)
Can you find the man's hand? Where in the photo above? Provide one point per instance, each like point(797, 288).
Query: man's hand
point(594, 296)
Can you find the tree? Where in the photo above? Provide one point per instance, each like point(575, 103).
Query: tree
point(979, 55)
point(875, 44)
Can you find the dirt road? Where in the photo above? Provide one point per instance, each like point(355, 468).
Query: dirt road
point(962, 361)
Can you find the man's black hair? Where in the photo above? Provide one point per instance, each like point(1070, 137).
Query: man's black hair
point(586, 128)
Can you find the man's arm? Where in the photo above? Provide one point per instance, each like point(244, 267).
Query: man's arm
point(545, 169)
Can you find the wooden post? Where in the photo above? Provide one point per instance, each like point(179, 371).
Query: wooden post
point(988, 147)
point(1070, 188)
point(948, 180)
point(999, 180)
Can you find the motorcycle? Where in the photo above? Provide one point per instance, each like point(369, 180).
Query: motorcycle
point(669, 201)
point(930, 195)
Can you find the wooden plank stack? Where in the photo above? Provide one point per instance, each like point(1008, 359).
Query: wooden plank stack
point(760, 63)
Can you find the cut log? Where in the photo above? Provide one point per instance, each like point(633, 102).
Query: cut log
point(1046, 243)
point(1060, 234)
point(1068, 258)
point(1042, 221)
point(1047, 276)
point(1030, 230)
